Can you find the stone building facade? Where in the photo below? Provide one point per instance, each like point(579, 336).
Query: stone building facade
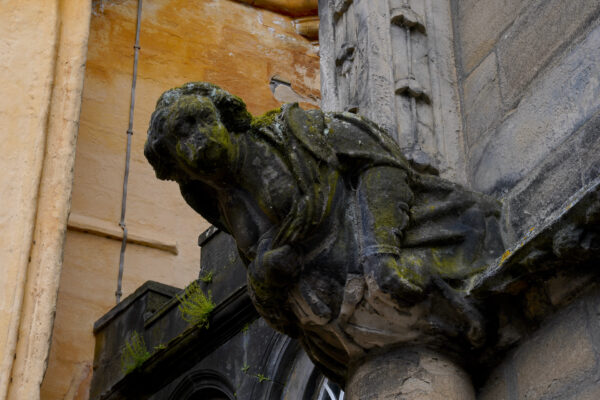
point(502, 96)
point(524, 76)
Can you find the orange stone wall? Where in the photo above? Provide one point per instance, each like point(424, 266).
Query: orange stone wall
point(232, 44)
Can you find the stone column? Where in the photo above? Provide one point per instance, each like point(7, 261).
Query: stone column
point(409, 374)
point(40, 107)
point(393, 62)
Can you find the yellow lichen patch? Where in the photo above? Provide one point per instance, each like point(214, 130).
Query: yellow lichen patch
point(409, 268)
point(505, 255)
point(450, 265)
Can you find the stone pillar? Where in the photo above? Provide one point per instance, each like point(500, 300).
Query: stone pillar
point(393, 62)
point(40, 106)
point(409, 374)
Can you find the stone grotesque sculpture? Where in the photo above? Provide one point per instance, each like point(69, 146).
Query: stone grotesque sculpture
point(348, 247)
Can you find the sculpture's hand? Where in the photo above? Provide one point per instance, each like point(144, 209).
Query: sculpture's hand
point(274, 267)
point(295, 224)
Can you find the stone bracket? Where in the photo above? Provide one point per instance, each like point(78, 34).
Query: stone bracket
point(340, 7)
point(346, 54)
point(406, 17)
point(412, 88)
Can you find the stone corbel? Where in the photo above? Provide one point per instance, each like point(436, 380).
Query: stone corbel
point(411, 87)
point(406, 17)
point(345, 57)
point(340, 7)
point(307, 27)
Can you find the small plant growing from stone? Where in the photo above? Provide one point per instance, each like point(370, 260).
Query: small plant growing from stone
point(195, 306)
point(245, 368)
point(245, 328)
point(261, 378)
point(207, 278)
point(134, 354)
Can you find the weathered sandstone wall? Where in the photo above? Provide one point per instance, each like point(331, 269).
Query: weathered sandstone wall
point(43, 49)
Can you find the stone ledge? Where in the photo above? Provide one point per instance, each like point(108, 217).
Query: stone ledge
point(182, 352)
point(100, 227)
point(307, 27)
point(149, 286)
point(294, 8)
point(542, 243)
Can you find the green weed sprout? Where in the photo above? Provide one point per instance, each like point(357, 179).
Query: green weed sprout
point(262, 378)
point(245, 368)
point(195, 306)
point(207, 278)
point(245, 328)
point(134, 354)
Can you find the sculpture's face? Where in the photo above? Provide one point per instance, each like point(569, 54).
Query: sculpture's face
point(187, 139)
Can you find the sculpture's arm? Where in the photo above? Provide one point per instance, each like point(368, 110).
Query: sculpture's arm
point(269, 277)
point(276, 267)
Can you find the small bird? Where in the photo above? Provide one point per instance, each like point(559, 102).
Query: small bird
point(283, 92)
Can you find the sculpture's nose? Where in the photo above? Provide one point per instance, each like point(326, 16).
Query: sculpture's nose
point(154, 156)
point(156, 147)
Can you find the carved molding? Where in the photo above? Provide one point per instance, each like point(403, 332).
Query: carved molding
point(412, 88)
point(405, 17)
point(341, 6)
point(395, 76)
point(307, 27)
point(106, 229)
point(294, 8)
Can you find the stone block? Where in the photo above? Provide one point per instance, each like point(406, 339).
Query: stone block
point(545, 189)
point(480, 23)
point(409, 373)
point(591, 392)
point(556, 106)
point(482, 103)
point(593, 310)
point(589, 150)
point(575, 163)
point(535, 36)
point(559, 356)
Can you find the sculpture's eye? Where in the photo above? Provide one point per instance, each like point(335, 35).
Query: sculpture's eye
point(184, 126)
point(206, 114)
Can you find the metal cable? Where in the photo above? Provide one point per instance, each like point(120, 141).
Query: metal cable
point(122, 224)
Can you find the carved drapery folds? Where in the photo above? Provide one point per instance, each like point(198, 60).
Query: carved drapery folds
point(386, 61)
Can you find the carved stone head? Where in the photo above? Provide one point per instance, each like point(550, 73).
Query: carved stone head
point(190, 129)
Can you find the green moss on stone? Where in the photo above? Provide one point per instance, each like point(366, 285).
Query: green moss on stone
point(266, 119)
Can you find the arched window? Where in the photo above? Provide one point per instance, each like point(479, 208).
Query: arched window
point(330, 391)
point(208, 394)
point(203, 385)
